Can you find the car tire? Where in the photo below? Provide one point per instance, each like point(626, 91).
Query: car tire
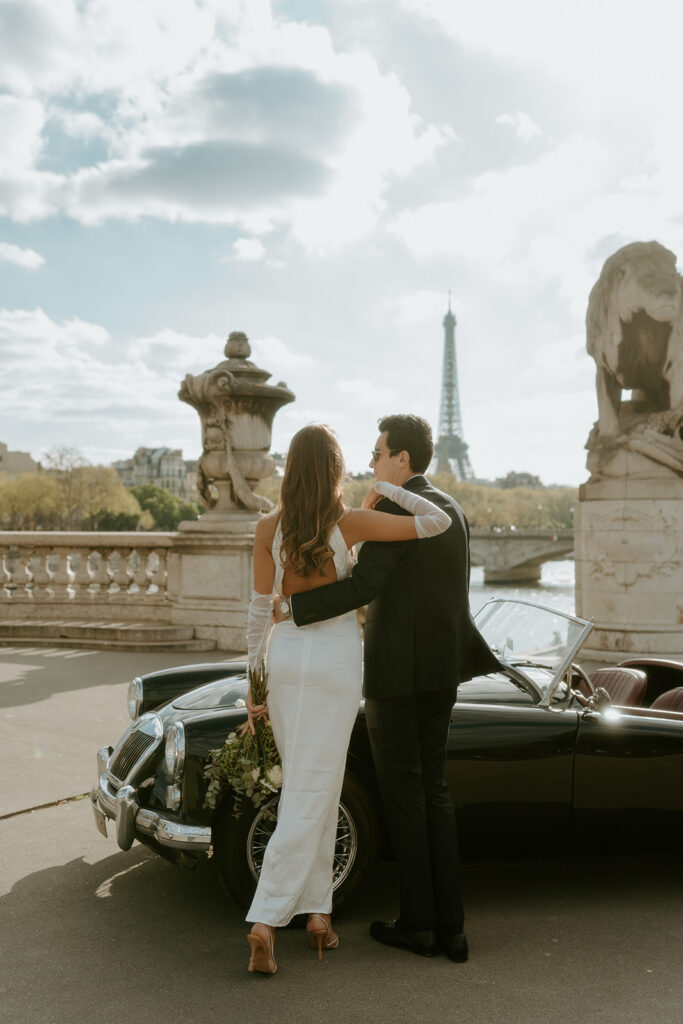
point(238, 843)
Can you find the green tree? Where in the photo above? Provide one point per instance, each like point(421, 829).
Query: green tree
point(30, 501)
point(65, 465)
point(164, 507)
point(102, 495)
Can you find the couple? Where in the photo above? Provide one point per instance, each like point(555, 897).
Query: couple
point(420, 642)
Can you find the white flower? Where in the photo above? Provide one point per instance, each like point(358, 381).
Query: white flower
point(239, 703)
point(274, 775)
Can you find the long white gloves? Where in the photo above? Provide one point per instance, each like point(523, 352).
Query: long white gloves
point(430, 520)
point(259, 622)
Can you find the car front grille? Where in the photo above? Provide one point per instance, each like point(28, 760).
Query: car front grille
point(137, 744)
point(134, 748)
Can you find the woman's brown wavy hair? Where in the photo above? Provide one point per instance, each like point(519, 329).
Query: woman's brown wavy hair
point(311, 498)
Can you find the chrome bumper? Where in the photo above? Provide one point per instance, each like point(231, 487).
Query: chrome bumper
point(131, 820)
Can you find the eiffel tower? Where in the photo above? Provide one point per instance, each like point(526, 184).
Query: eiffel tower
point(451, 450)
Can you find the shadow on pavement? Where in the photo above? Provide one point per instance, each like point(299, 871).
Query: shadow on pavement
point(134, 938)
point(29, 675)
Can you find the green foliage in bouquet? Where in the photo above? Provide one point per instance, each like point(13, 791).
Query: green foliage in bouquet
point(247, 764)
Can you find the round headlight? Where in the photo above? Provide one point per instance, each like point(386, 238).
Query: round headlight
point(174, 753)
point(135, 697)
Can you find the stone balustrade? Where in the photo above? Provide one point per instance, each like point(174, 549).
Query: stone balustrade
point(187, 590)
point(68, 575)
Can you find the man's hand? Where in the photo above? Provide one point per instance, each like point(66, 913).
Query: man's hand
point(278, 615)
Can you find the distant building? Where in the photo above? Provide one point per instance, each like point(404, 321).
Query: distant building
point(163, 467)
point(14, 463)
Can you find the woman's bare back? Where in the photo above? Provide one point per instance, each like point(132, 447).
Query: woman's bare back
point(356, 525)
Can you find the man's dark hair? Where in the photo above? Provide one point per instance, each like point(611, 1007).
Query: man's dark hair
point(412, 434)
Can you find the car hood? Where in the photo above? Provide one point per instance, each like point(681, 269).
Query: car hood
point(222, 693)
point(493, 689)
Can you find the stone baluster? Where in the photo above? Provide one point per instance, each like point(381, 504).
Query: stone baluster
point(20, 574)
point(61, 580)
point(158, 562)
point(101, 577)
point(42, 578)
point(82, 576)
point(62, 576)
point(5, 574)
point(119, 569)
point(139, 564)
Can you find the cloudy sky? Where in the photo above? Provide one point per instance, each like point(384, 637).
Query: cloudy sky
point(318, 174)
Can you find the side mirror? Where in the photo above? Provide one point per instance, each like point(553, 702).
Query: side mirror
point(600, 700)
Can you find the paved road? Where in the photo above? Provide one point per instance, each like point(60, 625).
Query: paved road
point(90, 933)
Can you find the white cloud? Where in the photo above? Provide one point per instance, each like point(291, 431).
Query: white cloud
point(21, 124)
point(311, 134)
point(99, 45)
point(505, 209)
point(524, 125)
point(421, 309)
point(84, 390)
point(249, 249)
point(171, 352)
point(276, 356)
point(365, 392)
point(27, 258)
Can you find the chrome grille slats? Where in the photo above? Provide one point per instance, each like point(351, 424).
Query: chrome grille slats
point(134, 748)
point(131, 752)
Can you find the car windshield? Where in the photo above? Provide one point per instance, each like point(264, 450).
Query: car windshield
point(539, 641)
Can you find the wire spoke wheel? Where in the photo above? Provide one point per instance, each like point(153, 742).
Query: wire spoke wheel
point(263, 826)
point(239, 844)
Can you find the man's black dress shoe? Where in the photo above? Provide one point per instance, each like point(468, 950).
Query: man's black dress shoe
point(454, 945)
point(392, 933)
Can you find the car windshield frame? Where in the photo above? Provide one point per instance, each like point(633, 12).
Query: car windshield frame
point(516, 665)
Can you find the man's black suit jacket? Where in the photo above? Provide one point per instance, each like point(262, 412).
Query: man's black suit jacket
point(419, 634)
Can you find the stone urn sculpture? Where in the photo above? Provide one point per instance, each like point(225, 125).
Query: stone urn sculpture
point(236, 407)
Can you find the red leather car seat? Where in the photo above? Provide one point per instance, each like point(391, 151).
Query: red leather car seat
point(672, 700)
point(626, 686)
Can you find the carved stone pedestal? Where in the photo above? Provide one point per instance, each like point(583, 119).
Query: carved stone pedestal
point(629, 567)
point(210, 578)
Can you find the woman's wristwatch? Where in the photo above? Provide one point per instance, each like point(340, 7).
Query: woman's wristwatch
point(283, 606)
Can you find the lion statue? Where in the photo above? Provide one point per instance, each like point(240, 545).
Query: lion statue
point(634, 332)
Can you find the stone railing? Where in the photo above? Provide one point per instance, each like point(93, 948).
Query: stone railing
point(196, 582)
point(68, 575)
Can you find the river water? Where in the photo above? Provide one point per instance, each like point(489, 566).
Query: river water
point(556, 587)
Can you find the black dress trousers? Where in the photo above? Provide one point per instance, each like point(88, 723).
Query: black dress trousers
point(408, 736)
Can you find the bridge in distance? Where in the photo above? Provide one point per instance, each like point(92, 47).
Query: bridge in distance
point(511, 556)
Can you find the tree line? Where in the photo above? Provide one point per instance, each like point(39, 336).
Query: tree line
point(502, 507)
point(71, 494)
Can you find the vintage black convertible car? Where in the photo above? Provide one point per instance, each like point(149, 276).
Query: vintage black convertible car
point(541, 756)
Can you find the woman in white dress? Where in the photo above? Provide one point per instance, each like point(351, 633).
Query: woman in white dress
point(314, 675)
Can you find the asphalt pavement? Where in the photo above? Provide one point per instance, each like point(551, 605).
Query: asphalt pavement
point(90, 933)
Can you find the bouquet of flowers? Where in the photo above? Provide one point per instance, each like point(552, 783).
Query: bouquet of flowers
point(248, 764)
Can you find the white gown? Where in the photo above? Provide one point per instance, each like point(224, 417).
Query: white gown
point(314, 689)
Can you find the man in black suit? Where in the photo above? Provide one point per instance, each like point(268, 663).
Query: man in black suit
point(420, 642)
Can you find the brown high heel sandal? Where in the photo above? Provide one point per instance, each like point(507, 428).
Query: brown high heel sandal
point(319, 928)
point(262, 958)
